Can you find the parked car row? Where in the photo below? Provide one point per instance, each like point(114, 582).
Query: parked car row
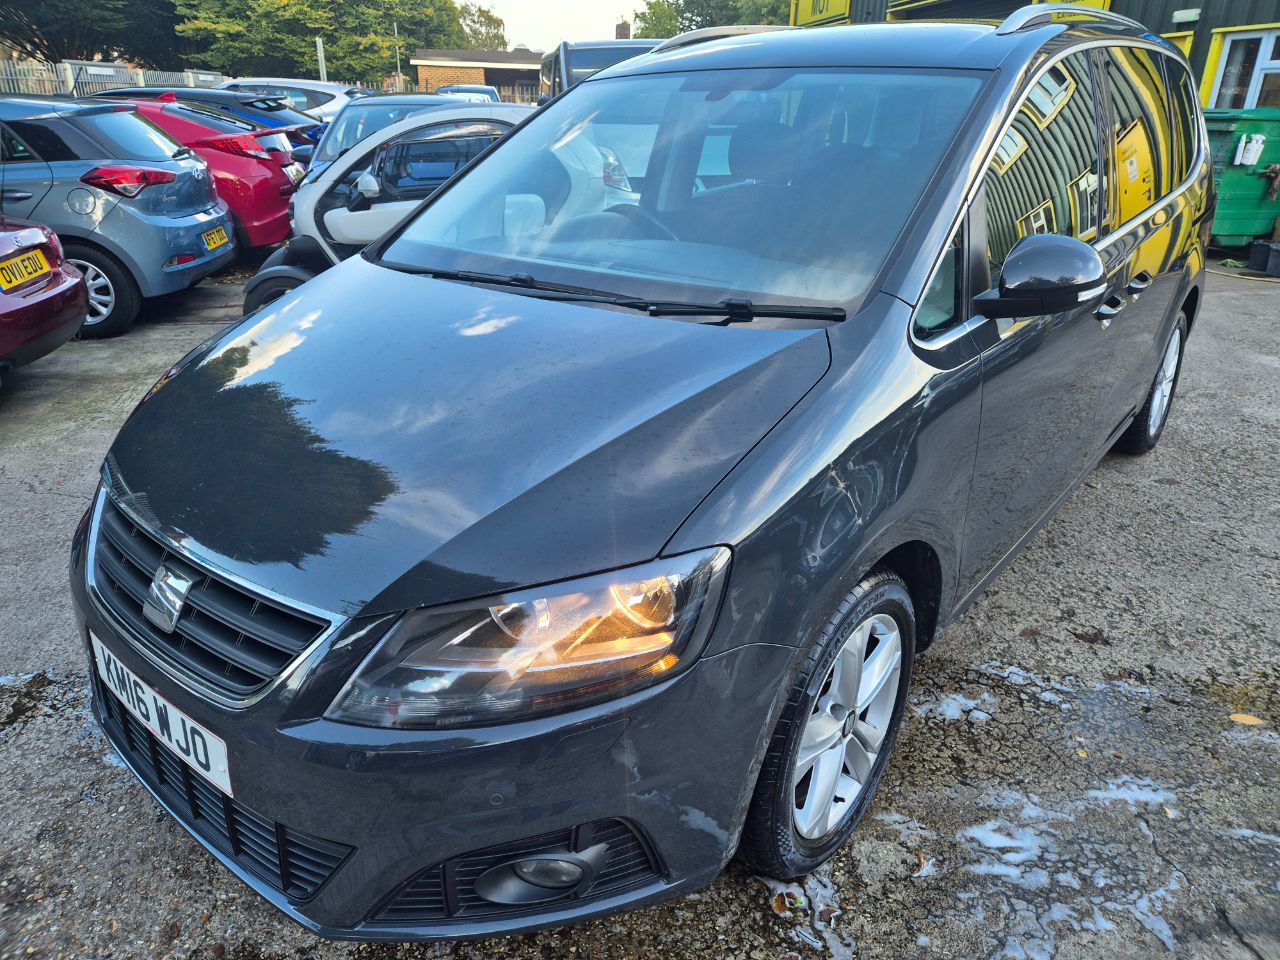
point(137, 212)
point(152, 188)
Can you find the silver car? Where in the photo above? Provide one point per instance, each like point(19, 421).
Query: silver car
point(136, 211)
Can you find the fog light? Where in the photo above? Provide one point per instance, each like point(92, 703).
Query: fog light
point(556, 874)
point(550, 872)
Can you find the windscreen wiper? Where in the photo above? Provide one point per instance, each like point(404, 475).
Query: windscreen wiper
point(731, 309)
point(735, 309)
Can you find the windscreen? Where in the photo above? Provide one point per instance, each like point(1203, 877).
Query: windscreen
point(786, 185)
point(361, 120)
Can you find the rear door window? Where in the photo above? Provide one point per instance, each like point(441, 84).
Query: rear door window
point(127, 136)
point(1044, 176)
point(54, 139)
point(13, 150)
point(1140, 136)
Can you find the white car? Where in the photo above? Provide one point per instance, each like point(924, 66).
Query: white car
point(321, 99)
point(374, 185)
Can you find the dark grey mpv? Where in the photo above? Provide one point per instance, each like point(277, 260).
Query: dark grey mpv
point(581, 534)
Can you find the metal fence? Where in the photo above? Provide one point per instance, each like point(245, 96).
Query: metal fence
point(80, 78)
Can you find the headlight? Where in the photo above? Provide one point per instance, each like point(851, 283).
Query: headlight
point(538, 651)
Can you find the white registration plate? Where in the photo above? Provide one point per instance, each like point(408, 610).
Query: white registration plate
point(195, 746)
point(295, 173)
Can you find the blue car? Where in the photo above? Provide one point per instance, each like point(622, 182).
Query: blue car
point(137, 212)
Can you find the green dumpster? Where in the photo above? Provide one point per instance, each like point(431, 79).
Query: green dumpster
point(1244, 209)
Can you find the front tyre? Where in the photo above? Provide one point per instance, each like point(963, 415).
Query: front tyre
point(268, 291)
point(835, 734)
point(1144, 433)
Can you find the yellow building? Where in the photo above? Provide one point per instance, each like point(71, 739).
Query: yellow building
point(1233, 45)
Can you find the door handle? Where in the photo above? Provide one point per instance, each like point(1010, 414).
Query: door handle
point(16, 195)
point(1139, 282)
point(1110, 307)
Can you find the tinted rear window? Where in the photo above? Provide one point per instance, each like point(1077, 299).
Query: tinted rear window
point(128, 136)
point(583, 63)
point(213, 119)
point(278, 113)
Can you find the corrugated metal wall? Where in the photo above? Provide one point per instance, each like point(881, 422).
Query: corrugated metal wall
point(1157, 15)
point(1056, 156)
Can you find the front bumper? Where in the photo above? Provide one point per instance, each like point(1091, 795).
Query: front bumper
point(675, 763)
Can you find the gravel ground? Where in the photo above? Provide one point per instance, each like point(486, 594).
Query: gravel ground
point(1090, 766)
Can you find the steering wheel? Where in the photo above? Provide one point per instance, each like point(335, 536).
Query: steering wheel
point(643, 218)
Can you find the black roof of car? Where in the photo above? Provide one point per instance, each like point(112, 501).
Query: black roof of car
point(404, 99)
point(202, 94)
point(951, 44)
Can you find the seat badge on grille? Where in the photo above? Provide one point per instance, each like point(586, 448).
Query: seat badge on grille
point(166, 597)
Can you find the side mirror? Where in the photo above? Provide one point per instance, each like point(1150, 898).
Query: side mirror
point(367, 186)
point(1045, 273)
point(302, 154)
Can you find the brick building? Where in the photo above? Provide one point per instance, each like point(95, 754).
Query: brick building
point(513, 72)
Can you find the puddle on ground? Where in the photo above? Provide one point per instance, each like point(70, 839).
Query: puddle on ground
point(995, 867)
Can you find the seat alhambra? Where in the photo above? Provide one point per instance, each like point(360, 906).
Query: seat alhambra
point(571, 541)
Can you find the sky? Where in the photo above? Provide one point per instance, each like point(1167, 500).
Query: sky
point(541, 24)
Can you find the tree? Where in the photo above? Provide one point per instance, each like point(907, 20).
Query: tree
point(140, 31)
point(267, 36)
point(658, 20)
point(666, 18)
point(774, 12)
point(482, 29)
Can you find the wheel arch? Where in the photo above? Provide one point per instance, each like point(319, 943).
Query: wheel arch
point(1191, 305)
point(110, 249)
point(920, 568)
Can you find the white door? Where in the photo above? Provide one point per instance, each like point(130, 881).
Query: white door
point(405, 172)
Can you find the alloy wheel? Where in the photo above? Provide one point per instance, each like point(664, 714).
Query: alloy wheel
point(847, 726)
point(1162, 393)
point(102, 295)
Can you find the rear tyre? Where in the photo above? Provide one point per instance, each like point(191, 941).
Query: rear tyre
point(114, 298)
point(835, 734)
point(268, 291)
point(1148, 426)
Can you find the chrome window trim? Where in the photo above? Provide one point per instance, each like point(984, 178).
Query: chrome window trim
point(971, 191)
point(179, 674)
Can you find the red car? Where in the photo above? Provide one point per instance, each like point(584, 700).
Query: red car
point(251, 164)
point(43, 300)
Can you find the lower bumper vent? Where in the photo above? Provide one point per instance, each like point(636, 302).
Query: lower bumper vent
point(295, 863)
point(448, 890)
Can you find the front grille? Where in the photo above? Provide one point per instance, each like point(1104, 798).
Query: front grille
point(447, 890)
point(293, 862)
point(234, 640)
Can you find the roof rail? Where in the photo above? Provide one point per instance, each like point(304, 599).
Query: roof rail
point(690, 37)
point(1030, 16)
